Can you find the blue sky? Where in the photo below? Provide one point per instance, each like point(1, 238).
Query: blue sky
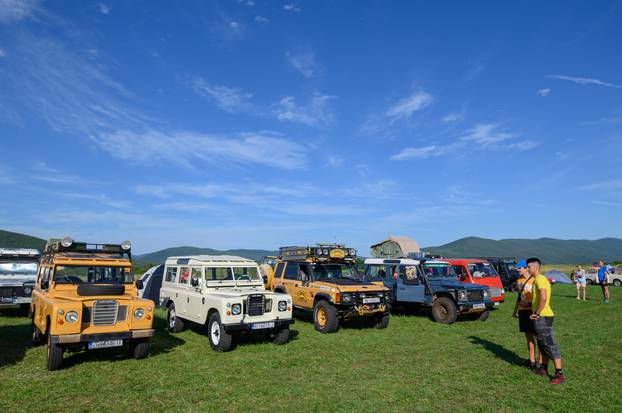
point(256, 124)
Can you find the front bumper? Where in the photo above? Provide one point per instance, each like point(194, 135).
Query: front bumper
point(472, 307)
point(362, 310)
point(85, 338)
point(13, 302)
point(242, 327)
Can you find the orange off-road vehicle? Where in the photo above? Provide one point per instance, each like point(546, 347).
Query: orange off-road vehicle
point(85, 299)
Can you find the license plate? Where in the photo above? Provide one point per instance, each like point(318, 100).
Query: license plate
point(479, 306)
point(371, 300)
point(105, 344)
point(497, 304)
point(6, 299)
point(261, 326)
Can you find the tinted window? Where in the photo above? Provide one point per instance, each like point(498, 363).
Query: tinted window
point(291, 271)
point(278, 273)
point(459, 270)
point(171, 274)
point(184, 275)
point(218, 274)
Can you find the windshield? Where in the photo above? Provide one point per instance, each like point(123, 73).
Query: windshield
point(18, 268)
point(482, 269)
point(332, 270)
point(79, 274)
point(438, 270)
point(246, 274)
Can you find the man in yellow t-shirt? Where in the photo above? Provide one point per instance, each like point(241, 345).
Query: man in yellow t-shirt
point(543, 323)
point(522, 310)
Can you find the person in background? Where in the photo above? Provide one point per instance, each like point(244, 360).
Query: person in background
point(580, 281)
point(522, 310)
point(602, 280)
point(543, 317)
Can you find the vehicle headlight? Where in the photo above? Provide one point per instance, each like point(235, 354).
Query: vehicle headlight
point(236, 309)
point(126, 245)
point(325, 251)
point(71, 316)
point(282, 305)
point(462, 295)
point(318, 251)
point(139, 313)
point(502, 291)
point(486, 293)
point(27, 290)
point(347, 297)
point(352, 252)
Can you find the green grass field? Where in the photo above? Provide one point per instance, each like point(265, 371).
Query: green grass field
point(414, 365)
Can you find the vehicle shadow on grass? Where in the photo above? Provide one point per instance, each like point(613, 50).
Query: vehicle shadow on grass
point(14, 342)
point(255, 337)
point(498, 350)
point(161, 343)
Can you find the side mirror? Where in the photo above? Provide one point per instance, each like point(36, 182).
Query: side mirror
point(139, 284)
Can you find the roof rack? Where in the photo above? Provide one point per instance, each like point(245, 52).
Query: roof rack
point(69, 245)
point(19, 253)
point(321, 252)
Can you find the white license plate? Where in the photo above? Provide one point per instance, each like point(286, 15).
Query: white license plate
point(6, 299)
point(496, 303)
point(371, 300)
point(262, 326)
point(105, 344)
point(478, 306)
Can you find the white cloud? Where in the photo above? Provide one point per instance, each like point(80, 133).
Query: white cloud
point(305, 63)
point(292, 7)
point(562, 155)
point(229, 99)
point(544, 92)
point(45, 173)
point(585, 81)
point(15, 10)
point(315, 113)
point(611, 185)
point(104, 8)
point(249, 3)
point(5, 176)
point(406, 107)
point(261, 19)
point(481, 136)
point(191, 149)
point(234, 25)
point(2, 53)
point(333, 161)
point(453, 117)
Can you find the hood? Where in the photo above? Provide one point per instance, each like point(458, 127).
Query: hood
point(449, 283)
point(348, 284)
point(84, 298)
point(488, 282)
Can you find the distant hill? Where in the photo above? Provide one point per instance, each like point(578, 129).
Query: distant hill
point(549, 250)
point(16, 240)
point(159, 257)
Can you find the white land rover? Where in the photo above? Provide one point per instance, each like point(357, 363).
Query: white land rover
point(18, 272)
point(225, 293)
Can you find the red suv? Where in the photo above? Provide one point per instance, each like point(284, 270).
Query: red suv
point(480, 272)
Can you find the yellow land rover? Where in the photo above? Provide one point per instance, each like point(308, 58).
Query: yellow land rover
point(324, 279)
point(85, 299)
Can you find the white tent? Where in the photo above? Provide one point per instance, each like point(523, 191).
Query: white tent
point(395, 247)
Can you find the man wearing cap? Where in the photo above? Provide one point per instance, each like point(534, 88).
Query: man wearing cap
point(543, 323)
point(522, 310)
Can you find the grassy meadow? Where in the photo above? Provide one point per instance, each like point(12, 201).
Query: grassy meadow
point(414, 365)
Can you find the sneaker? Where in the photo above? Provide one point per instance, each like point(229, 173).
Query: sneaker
point(540, 371)
point(606, 301)
point(557, 379)
point(578, 298)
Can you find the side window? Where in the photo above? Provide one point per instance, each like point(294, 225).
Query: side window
point(278, 273)
point(171, 274)
point(291, 271)
point(303, 273)
point(218, 273)
point(409, 274)
point(459, 270)
point(45, 277)
point(196, 275)
point(376, 271)
point(184, 275)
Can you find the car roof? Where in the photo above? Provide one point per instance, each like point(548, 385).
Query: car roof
point(392, 261)
point(459, 261)
point(209, 259)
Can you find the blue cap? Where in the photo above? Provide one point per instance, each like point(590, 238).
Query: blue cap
point(521, 264)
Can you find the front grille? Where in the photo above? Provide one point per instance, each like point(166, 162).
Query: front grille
point(475, 295)
point(104, 312)
point(11, 291)
point(255, 305)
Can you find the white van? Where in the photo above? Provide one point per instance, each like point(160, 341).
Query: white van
point(225, 293)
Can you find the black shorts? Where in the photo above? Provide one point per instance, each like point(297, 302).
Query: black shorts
point(547, 344)
point(525, 324)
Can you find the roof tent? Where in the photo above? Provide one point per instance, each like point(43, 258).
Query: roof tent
point(396, 247)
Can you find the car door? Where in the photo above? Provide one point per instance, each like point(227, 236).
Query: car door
point(291, 283)
point(410, 285)
point(194, 293)
point(181, 303)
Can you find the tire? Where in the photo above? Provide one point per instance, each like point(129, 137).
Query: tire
point(280, 337)
point(444, 310)
point(55, 355)
point(325, 317)
point(139, 348)
point(38, 338)
point(173, 323)
point(589, 282)
point(382, 321)
point(617, 282)
point(219, 339)
point(483, 316)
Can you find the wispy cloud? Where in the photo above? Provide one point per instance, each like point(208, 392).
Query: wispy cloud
point(333, 161)
point(191, 149)
point(261, 19)
point(45, 173)
point(544, 92)
point(229, 99)
point(611, 185)
point(291, 7)
point(585, 81)
point(16, 10)
point(5, 176)
point(604, 121)
point(104, 8)
point(2, 53)
point(315, 113)
point(305, 63)
point(406, 107)
point(480, 137)
point(453, 117)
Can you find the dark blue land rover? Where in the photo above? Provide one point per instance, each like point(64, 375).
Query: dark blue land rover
point(430, 283)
